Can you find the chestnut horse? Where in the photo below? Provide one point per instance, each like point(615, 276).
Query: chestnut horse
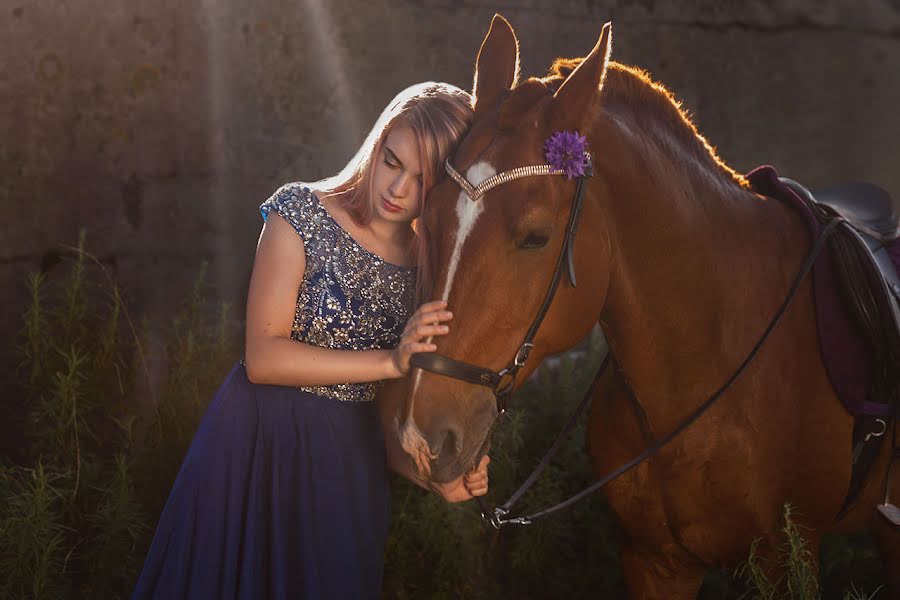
point(683, 266)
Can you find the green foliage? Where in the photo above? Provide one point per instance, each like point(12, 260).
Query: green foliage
point(115, 530)
point(34, 548)
point(199, 352)
point(110, 408)
point(78, 521)
point(802, 580)
point(761, 587)
point(854, 594)
point(35, 344)
point(797, 573)
point(849, 562)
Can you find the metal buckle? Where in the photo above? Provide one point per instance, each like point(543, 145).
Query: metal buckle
point(497, 521)
point(522, 355)
point(872, 434)
point(505, 382)
point(495, 518)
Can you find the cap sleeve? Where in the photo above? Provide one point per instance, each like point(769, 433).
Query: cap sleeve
point(297, 205)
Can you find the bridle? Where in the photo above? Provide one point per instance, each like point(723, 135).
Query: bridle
point(503, 381)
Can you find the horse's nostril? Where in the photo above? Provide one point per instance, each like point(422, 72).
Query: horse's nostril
point(447, 445)
point(451, 444)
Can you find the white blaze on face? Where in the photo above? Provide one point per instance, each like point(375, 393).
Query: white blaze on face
point(467, 212)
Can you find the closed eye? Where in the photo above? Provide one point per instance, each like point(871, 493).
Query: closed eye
point(534, 240)
point(390, 159)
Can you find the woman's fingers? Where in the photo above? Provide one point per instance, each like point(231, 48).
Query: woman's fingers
point(476, 481)
point(483, 464)
point(477, 489)
point(433, 308)
point(429, 309)
point(424, 324)
point(433, 305)
point(431, 318)
point(415, 347)
point(428, 330)
point(423, 327)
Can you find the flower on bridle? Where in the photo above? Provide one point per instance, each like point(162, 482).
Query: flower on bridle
point(566, 152)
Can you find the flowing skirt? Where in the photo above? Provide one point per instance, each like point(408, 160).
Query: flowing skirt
point(282, 494)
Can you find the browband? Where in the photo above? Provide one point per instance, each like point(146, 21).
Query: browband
point(476, 192)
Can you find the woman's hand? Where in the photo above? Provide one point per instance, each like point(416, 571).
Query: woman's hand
point(474, 483)
point(426, 322)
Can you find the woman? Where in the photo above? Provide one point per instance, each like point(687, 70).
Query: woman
point(284, 492)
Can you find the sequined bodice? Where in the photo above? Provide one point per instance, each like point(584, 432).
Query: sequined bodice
point(349, 298)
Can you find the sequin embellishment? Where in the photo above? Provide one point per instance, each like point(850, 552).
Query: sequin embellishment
point(349, 299)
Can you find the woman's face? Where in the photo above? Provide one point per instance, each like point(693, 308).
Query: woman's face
point(397, 178)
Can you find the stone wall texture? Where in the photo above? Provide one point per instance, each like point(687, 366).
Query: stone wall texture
point(159, 126)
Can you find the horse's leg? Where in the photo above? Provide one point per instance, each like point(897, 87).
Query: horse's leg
point(614, 436)
point(888, 540)
point(660, 576)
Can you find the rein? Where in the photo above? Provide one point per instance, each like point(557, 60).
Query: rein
point(498, 518)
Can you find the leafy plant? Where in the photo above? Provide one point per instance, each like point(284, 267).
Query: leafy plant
point(76, 522)
point(800, 579)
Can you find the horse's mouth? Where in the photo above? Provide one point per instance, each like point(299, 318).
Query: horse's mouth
point(450, 471)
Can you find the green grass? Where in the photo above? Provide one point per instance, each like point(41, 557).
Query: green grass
point(76, 519)
point(800, 576)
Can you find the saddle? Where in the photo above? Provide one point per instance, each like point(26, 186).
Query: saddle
point(857, 296)
point(874, 219)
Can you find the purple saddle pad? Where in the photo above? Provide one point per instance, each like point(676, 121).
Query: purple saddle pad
point(845, 355)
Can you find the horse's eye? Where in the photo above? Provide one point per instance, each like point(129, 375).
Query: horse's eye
point(535, 240)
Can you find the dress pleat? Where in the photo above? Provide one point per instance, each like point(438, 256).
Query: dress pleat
point(282, 494)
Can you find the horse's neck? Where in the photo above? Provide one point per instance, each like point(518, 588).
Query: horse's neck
point(694, 273)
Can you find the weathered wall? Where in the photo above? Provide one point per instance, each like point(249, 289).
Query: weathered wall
point(160, 126)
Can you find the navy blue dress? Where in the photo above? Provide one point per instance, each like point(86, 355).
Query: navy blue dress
point(284, 491)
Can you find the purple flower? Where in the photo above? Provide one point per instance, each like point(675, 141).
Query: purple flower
point(566, 151)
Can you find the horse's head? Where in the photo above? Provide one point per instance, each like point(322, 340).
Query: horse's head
point(496, 254)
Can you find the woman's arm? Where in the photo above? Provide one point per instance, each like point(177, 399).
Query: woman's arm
point(271, 356)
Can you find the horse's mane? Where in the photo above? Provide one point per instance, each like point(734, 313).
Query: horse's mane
point(631, 95)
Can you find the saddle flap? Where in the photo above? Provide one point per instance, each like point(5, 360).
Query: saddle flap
point(865, 205)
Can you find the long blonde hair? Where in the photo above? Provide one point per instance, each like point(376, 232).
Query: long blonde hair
point(438, 114)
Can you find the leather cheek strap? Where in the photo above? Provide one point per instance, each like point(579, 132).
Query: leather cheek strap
point(449, 367)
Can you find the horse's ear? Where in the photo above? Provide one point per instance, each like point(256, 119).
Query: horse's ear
point(497, 65)
point(576, 95)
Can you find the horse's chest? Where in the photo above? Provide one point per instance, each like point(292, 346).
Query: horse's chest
point(689, 494)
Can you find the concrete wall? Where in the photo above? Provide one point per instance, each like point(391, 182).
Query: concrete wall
point(160, 126)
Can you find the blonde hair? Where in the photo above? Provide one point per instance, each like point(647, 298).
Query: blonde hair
point(438, 114)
